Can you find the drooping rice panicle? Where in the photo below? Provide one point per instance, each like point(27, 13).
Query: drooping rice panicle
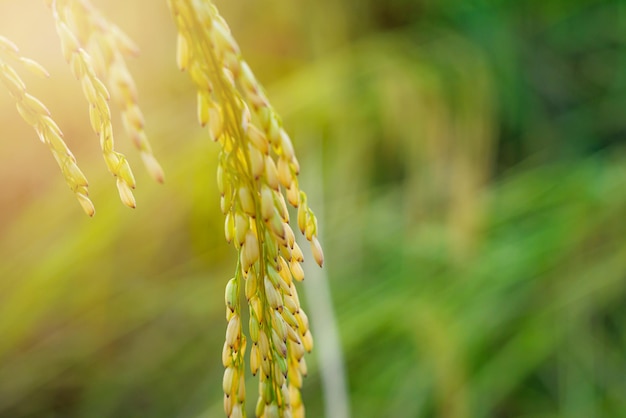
point(109, 47)
point(35, 113)
point(257, 176)
point(76, 17)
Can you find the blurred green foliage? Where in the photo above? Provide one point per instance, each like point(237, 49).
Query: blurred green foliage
point(473, 190)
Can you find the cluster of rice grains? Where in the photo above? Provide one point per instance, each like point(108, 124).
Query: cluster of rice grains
point(256, 164)
point(95, 50)
point(37, 115)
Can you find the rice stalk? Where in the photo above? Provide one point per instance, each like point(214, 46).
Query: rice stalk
point(37, 115)
point(94, 49)
point(109, 47)
point(257, 176)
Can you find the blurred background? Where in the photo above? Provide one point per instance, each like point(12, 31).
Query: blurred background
point(466, 160)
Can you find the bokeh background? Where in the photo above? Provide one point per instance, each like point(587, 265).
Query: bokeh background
point(467, 163)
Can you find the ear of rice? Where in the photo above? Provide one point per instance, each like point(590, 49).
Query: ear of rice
point(257, 158)
point(37, 115)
